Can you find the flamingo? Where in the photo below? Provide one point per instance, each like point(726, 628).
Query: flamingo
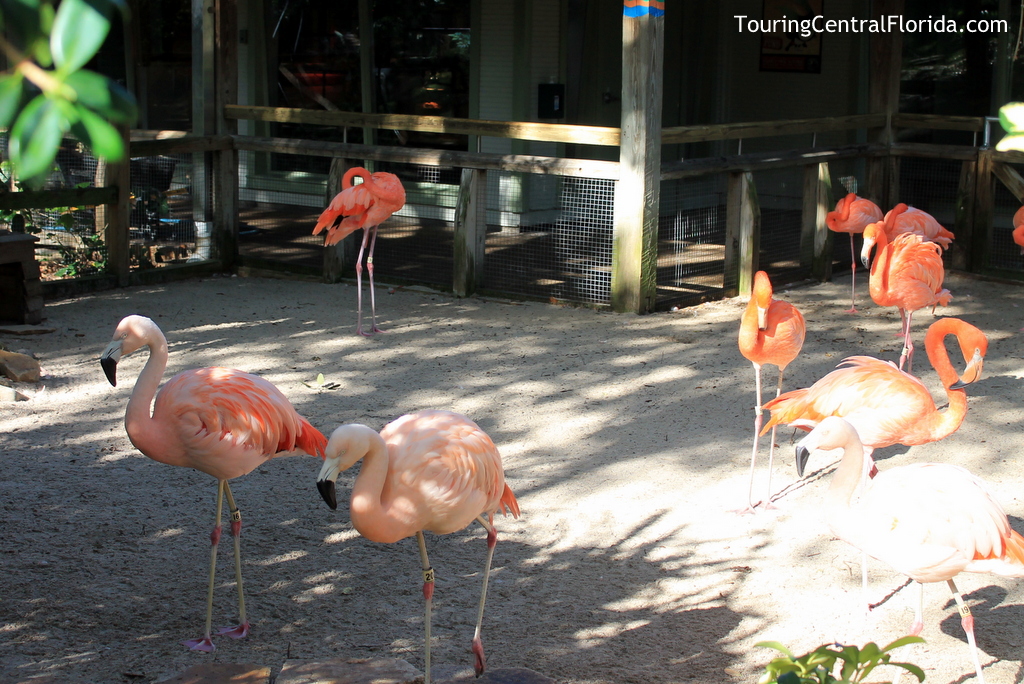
point(220, 421)
point(903, 219)
point(884, 404)
point(365, 206)
point(929, 521)
point(1018, 229)
point(852, 214)
point(771, 331)
point(906, 274)
point(431, 470)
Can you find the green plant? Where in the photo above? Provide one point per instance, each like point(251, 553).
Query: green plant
point(816, 666)
point(46, 92)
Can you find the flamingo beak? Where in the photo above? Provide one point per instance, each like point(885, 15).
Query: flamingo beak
point(802, 456)
point(762, 318)
point(108, 360)
point(972, 373)
point(325, 482)
point(865, 253)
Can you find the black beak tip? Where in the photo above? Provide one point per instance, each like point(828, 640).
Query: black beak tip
point(802, 454)
point(866, 263)
point(959, 384)
point(327, 492)
point(109, 369)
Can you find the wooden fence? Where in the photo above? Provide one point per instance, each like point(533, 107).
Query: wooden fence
point(980, 169)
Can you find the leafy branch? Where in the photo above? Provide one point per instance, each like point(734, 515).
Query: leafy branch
point(816, 667)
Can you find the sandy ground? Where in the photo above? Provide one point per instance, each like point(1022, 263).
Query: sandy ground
point(626, 439)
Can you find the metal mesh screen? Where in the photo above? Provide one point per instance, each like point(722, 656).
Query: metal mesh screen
point(550, 236)
point(163, 229)
point(1003, 252)
point(931, 185)
point(780, 196)
point(691, 240)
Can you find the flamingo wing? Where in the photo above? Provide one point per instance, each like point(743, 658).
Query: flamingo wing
point(351, 206)
point(226, 422)
point(916, 273)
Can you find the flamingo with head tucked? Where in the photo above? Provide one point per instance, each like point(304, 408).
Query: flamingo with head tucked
point(907, 274)
point(432, 470)
point(1018, 229)
point(851, 215)
point(929, 521)
point(220, 421)
point(364, 205)
point(903, 219)
point(771, 331)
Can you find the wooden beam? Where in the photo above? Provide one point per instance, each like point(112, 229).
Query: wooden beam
point(225, 166)
point(588, 168)
point(48, 199)
point(941, 122)
point(523, 130)
point(742, 233)
point(815, 236)
point(1013, 181)
point(759, 161)
point(960, 251)
point(984, 200)
point(885, 60)
point(470, 233)
point(931, 151)
point(118, 177)
point(637, 194)
point(763, 129)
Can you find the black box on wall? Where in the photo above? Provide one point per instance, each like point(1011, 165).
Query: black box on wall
point(551, 101)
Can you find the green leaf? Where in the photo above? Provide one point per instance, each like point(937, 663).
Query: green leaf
point(320, 378)
point(104, 96)
point(1011, 117)
point(912, 669)
point(903, 641)
point(775, 645)
point(104, 140)
point(35, 137)
point(79, 29)
point(11, 90)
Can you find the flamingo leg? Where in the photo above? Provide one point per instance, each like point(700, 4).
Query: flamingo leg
point(967, 622)
point(915, 629)
point(369, 270)
point(359, 284)
point(206, 643)
point(771, 450)
point(908, 345)
point(853, 278)
point(428, 594)
point(242, 628)
point(478, 645)
point(868, 473)
point(757, 430)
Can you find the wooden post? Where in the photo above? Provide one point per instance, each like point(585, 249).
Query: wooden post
point(117, 216)
point(470, 232)
point(367, 84)
point(815, 237)
point(742, 234)
point(635, 231)
point(960, 252)
point(984, 199)
point(340, 257)
point(204, 119)
point(885, 61)
point(225, 180)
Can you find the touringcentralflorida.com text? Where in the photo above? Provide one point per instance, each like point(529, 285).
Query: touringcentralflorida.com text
point(889, 23)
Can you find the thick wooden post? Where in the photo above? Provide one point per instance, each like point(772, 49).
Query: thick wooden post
point(885, 60)
point(225, 180)
point(635, 231)
point(117, 216)
point(960, 252)
point(470, 232)
point(204, 120)
point(742, 234)
point(984, 199)
point(815, 237)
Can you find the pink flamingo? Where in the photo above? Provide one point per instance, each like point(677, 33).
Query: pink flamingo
point(1018, 229)
point(886, 405)
point(852, 214)
point(220, 421)
point(903, 219)
point(431, 470)
point(929, 521)
point(771, 331)
point(365, 206)
point(907, 274)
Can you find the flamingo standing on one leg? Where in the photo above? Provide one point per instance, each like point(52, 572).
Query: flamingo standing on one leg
point(886, 405)
point(771, 331)
point(852, 214)
point(431, 470)
point(930, 521)
point(903, 219)
point(365, 205)
point(220, 421)
point(1018, 229)
point(907, 274)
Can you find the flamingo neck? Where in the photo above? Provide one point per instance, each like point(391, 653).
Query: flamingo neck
point(838, 508)
point(138, 418)
point(750, 340)
point(346, 180)
point(371, 516)
point(941, 424)
point(878, 280)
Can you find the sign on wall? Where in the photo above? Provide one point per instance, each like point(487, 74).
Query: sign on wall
point(790, 43)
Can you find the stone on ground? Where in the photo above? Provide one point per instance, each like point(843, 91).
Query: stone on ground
point(19, 367)
point(221, 673)
point(349, 671)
